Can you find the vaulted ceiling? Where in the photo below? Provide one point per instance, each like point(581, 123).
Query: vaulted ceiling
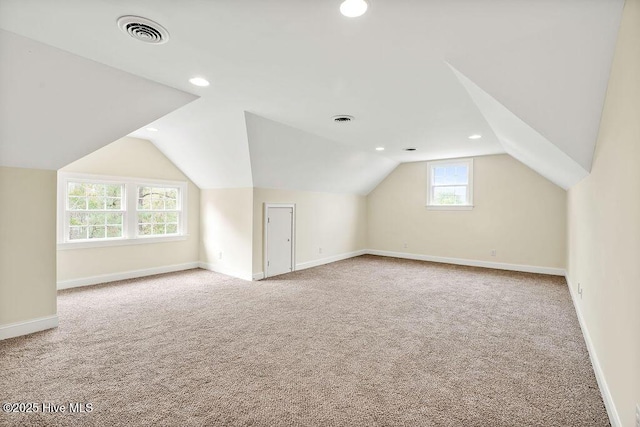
point(530, 76)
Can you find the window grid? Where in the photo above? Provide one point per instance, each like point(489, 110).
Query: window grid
point(94, 210)
point(97, 210)
point(450, 184)
point(158, 211)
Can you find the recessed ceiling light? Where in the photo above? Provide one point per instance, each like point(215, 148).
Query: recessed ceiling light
point(152, 129)
point(475, 136)
point(199, 81)
point(379, 148)
point(353, 8)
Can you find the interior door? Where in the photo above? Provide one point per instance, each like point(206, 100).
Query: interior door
point(279, 240)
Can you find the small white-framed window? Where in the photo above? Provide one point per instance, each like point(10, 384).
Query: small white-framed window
point(97, 210)
point(450, 184)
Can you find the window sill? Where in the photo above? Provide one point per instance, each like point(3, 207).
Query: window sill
point(450, 208)
point(119, 242)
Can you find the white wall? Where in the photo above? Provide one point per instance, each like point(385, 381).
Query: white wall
point(131, 157)
point(604, 230)
point(335, 222)
point(225, 242)
point(517, 212)
point(27, 245)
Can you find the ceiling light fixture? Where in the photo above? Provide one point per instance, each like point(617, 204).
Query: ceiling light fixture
point(152, 129)
point(379, 148)
point(475, 136)
point(199, 81)
point(353, 8)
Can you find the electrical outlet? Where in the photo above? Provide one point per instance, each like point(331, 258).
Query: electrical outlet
point(405, 245)
point(319, 250)
point(220, 255)
point(580, 290)
point(638, 415)
point(493, 252)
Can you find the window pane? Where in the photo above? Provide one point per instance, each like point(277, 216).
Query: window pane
point(172, 217)
point(144, 197)
point(157, 203)
point(114, 231)
point(145, 217)
point(144, 203)
point(450, 195)
point(113, 203)
point(144, 229)
point(158, 198)
point(76, 189)
point(172, 193)
point(77, 203)
point(157, 223)
point(97, 232)
point(451, 175)
point(97, 219)
point(114, 218)
point(94, 189)
point(159, 217)
point(89, 196)
point(76, 219)
point(84, 199)
point(114, 191)
point(96, 203)
point(77, 233)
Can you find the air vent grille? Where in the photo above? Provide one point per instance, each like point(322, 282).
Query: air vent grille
point(143, 29)
point(342, 118)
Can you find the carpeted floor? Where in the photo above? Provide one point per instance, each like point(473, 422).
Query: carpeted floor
point(368, 341)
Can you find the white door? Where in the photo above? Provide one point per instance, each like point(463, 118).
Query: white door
point(279, 237)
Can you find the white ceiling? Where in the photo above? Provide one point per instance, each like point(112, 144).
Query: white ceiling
point(301, 62)
point(288, 158)
point(523, 142)
point(52, 112)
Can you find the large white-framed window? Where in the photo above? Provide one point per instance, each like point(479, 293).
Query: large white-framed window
point(450, 184)
point(99, 210)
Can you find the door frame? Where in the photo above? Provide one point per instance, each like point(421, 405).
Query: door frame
point(266, 234)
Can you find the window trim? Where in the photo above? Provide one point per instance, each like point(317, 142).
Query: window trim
point(462, 161)
point(130, 210)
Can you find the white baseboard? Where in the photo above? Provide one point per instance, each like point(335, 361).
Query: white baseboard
point(471, 262)
point(28, 327)
point(318, 262)
point(458, 261)
point(105, 278)
point(614, 418)
point(226, 271)
point(328, 260)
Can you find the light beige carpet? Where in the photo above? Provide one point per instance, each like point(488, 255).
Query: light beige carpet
point(368, 341)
